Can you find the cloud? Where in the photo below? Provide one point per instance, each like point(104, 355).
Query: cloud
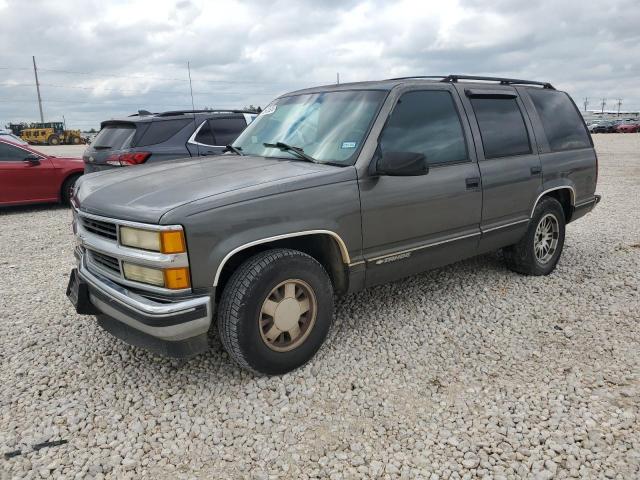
point(99, 60)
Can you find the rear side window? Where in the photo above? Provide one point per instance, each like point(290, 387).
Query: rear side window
point(115, 137)
point(426, 122)
point(502, 127)
point(227, 129)
point(562, 123)
point(205, 135)
point(161, 131)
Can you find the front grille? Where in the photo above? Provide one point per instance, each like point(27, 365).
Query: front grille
point(98, 227)
point(105, 261)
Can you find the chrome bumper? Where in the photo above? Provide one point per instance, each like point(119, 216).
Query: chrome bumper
point(175, 320)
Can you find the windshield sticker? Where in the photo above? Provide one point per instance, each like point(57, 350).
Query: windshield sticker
point(349, 144)
point(269, 110)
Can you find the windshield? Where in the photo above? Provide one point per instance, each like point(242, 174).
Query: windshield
point(329, 126)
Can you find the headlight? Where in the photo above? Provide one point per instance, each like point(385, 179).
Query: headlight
point(173, 278)
point(166, 241)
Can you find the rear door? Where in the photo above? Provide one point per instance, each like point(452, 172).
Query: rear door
point(23, 181)
point(508, 159)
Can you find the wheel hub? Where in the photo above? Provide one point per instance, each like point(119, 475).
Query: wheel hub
point(287, 315)
point(546, 238)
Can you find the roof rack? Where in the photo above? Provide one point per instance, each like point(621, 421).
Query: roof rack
point(183, 112)
point(501, 80)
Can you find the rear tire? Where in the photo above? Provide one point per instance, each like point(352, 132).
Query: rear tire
point(539, 250)
point(275, 311)
point(53, 140)
point(67, 189)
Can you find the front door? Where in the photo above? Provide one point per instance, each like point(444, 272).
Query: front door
point(413, 223)
point(24, 181)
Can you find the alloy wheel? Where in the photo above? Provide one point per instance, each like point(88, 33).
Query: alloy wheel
point(545, 241)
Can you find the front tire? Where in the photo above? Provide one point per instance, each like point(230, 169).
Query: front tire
point(539, 250)
point(53, 140)
point(275, 311)
point(67, 189)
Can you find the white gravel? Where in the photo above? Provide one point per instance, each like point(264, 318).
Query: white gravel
point(467, 371)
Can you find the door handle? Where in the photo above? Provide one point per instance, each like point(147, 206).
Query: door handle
point(472, 183)
point(537, 170)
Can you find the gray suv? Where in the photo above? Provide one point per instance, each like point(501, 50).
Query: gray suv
point(152, 137)
point(330, 190)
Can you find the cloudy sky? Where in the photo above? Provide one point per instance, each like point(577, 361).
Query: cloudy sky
point(102, 59)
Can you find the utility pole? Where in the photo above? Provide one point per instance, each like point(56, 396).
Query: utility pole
point(619, 105)
point(338, 78)
point(35, 71)
point(586, 103)
point(603, 103)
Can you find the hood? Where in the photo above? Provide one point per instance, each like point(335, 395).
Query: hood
point(145, 193)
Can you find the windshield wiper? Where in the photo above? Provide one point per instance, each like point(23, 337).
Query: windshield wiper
point(231, 148)
point(297, 151)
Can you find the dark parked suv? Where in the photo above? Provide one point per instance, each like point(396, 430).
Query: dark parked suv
point(330, 190)
point(150, 137)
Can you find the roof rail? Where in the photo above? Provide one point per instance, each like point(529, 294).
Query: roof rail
point(183, 112)
point(503, 81)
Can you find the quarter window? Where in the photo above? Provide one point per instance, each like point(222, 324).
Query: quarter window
point(161, 131)
point(205, 135)
point(502, 127)
point(426, 122)
point(562, 123)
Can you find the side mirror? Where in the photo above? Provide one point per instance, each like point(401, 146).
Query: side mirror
point(402, 164)
point(32, 160)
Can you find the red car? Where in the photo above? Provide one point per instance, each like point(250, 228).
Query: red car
point(631, 127)
point(28, 176)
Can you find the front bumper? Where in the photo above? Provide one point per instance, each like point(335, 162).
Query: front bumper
point(175, 328)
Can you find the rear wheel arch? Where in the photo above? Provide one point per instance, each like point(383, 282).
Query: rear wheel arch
point(325, 246)
point(565, 194)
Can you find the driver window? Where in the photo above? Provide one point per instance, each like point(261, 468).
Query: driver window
point(9, 153)
point(426, 122)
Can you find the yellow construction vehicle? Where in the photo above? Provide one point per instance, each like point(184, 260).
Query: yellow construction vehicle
point(50, 133)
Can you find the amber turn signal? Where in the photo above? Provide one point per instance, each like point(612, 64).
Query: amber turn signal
point(176, 278)
point(172, 241)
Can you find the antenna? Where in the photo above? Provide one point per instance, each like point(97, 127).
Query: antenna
point(35, 72)
point(193, 108)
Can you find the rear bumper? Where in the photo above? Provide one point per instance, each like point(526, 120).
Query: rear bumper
point(175, 329)
point(583, 208)
point(98, 167)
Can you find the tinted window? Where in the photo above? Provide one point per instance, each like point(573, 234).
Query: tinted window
point(428, 123)
point(561, 121)
point(116, 137)
point(205, 135)
point(502, 127)
point(227, 129)
point(161, 131)
point(12, 154)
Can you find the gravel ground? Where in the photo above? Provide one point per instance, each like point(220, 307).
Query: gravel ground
point(465, 371)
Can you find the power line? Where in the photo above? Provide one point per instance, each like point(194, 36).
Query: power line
point(155, 77)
